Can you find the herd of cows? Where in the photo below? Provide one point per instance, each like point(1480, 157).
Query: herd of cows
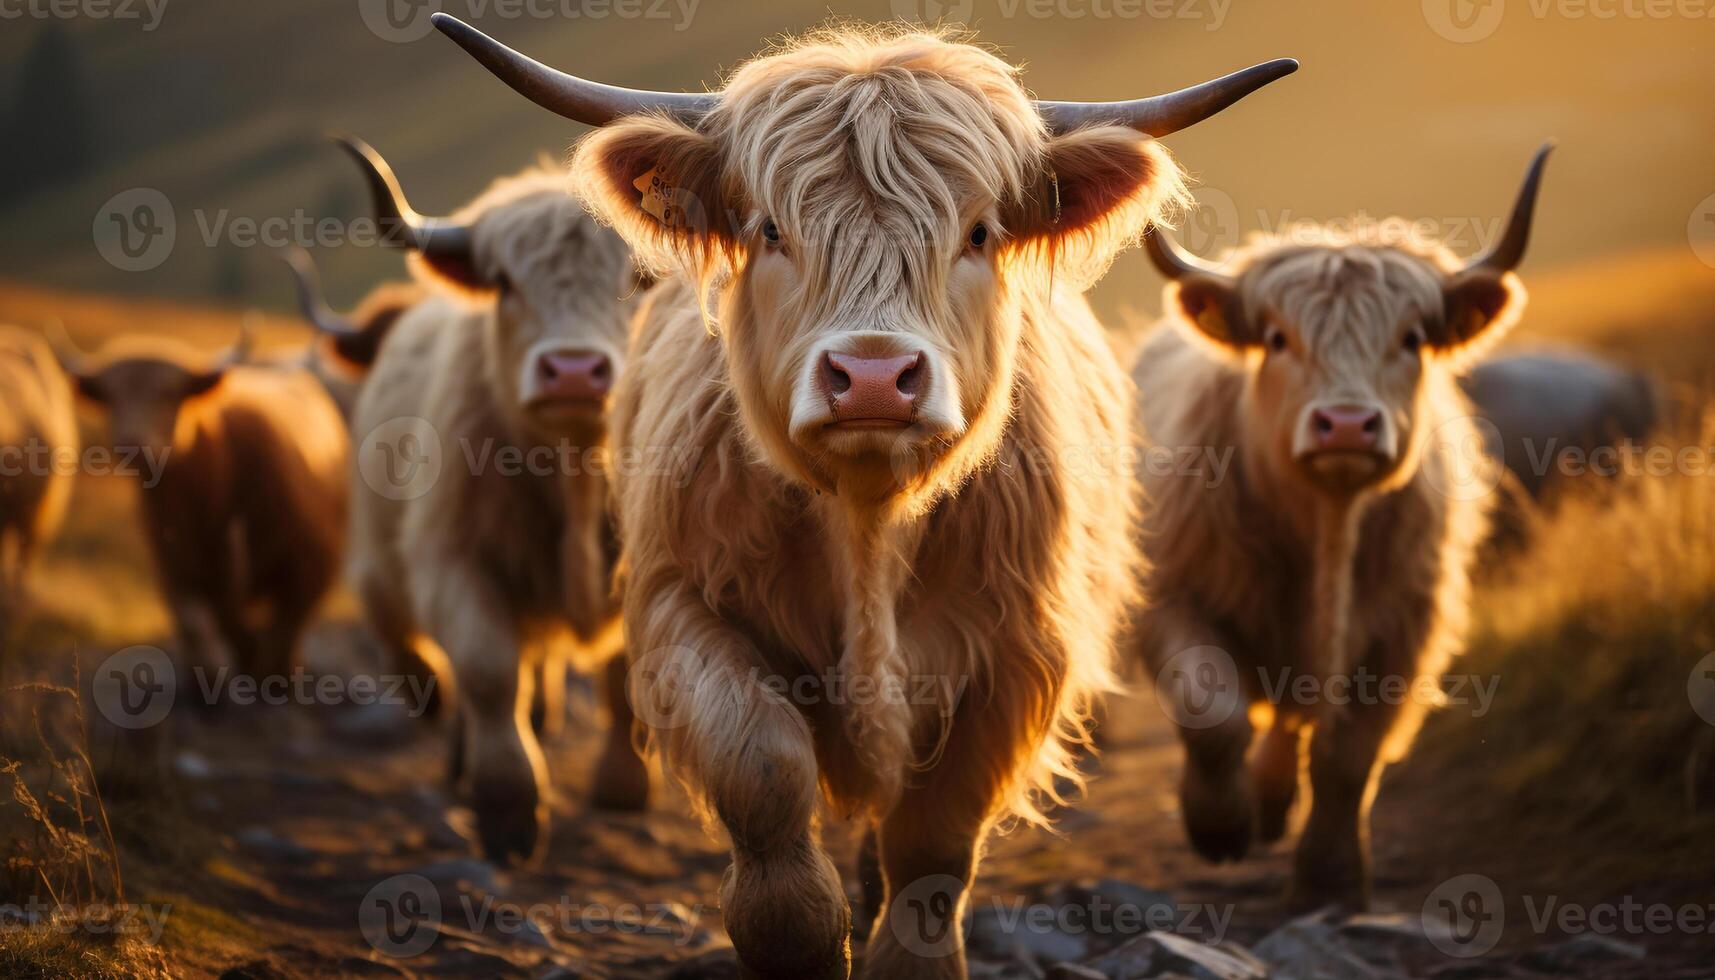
point(848, 287)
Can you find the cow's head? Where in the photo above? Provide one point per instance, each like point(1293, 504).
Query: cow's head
point(1343, 341)
point(874, 210)
point(144, 384)
point(562, 287)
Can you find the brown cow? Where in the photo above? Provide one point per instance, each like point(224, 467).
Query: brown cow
point(888, 580)
point(38, 446)
point(347, 344)
point(243, 491)
point(505, 559)
point(1336, 550)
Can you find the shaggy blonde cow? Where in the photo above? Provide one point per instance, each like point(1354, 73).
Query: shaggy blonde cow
point(885, 583)
point(1337, 547)
point(37, 432)
point(503, 561)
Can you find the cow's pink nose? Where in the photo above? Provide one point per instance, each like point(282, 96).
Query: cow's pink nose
point(573, 375)
point(1346, 428)
point(872, 389)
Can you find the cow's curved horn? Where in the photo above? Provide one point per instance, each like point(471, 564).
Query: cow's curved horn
point(401, 226)
point(72, 359)
point(310, 301)
point(241, 349)
point(1508, 251)
point(1174, 262)
point(578, 99)
point(1163, 114)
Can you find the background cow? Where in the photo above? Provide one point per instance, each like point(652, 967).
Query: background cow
point(501, 568)
point(1546, 403)
point(38, 446)
point(243, 482)
point(347, 344)
point(1339, 543)
point(876, 410)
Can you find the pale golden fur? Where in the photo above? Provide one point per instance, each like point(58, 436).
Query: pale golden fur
point(1247, 566)
point(497, 569)
point(794, 553)
point(35, 414)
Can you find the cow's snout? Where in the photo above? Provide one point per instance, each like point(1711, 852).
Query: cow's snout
point(1346, 428)
point(872, 391)
point(573, 376)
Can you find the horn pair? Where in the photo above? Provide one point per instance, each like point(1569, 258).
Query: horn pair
point(1504, 256)
point(596, 104)
point(72, 358)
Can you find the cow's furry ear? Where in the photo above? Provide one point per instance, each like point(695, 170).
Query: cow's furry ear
point(1479, 307)
point(1211, 305)
point(657, 182)
point(1100, 189)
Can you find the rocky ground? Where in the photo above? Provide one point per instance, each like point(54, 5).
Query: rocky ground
point(321, 842)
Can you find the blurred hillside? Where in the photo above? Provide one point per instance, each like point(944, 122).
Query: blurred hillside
point(222, 107)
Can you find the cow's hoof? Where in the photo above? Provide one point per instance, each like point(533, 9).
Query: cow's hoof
point(510, 818)
point(621, 782)
point(787, 915)
point(1218, 813)
point(1320, 881)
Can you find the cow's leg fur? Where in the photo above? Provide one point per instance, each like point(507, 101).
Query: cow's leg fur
point(1274, 775)
point(621, 777)
point(1332, 863)
point(1215, 796)
point(548, 707)
point(750, 754)
point(507, 774)
point(389, 617)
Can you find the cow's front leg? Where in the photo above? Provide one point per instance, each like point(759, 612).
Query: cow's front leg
point(1332, 864)
point(1199, 687)
point(621, 777)
point(1274, 773)
point(508, 779)
point(703, 692)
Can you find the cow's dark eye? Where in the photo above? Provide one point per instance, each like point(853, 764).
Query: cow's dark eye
point(979, 235)
point(771, 232)
point(1275, 339)
point(1414, 341)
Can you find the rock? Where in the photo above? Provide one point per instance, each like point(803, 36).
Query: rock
point(257, 970)
point(998, 934)
point(1073, 971)
point(1310, 949)
point(272, 847)
point(478, 874)
point(1579, 952)
point(190, 765)
point(1119, 908)
point(1154, 954)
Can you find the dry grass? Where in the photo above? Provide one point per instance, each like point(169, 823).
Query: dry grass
point(1593, 741)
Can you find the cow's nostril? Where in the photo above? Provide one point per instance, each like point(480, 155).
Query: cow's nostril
point(835, 377)
point(1324, 424)
point(1373, 424)
point(910, 378)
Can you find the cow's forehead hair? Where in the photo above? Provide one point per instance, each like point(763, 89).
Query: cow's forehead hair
point(1343, 297)
point(531, 228)
point(901, 129)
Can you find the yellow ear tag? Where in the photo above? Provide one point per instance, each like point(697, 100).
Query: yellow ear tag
point(655, 190)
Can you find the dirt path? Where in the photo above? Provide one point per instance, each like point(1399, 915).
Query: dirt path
point(318, 829)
